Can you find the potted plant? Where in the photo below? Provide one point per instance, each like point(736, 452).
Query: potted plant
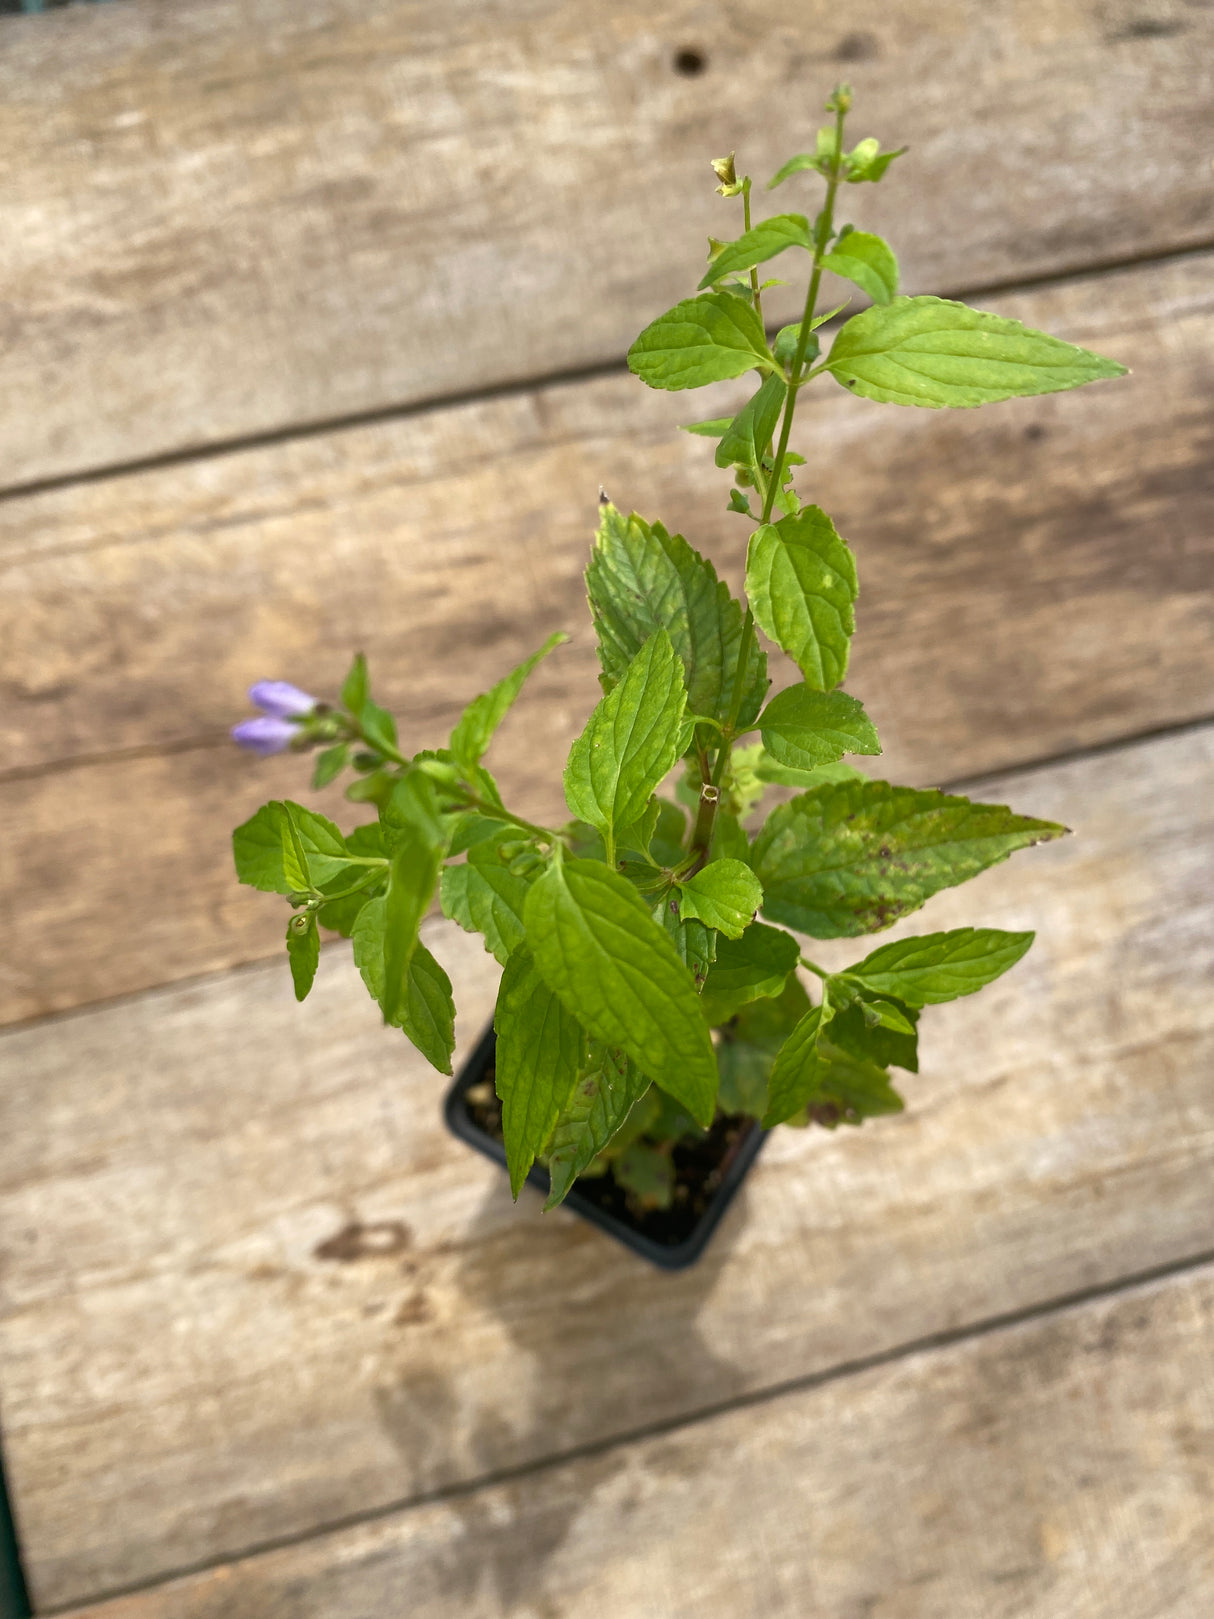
point(652, 1021)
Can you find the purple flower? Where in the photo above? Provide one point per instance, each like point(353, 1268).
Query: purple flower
point(265, 735)
point(281, 699)
point(282, 706)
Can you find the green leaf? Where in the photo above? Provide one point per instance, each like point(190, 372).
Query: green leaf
point(797, 165)
point(419, 844)
point(867, 261)
point(647, 1174)
point(729, 840)
point(629, 745)
point(940, 966)
point(602, 1097)
point(801, 580)
point(695, 943)
point(709, 429)
point(750, 433)
point(484, 714)
point(748, 1045)
point(767, 770)
point(317, 849)
point(668, 843)
point(425, 1009)
point(330, 763)
point(700, 340)
point(747, 969)
point(854, 857)
point(539, 1054)
point(803, 728)
point(616, 971)
point(485, 896)
point(294, 860)
point(356, 687)
point(257, 850)
point(934, 352)
point(756, 246)
point(866, 161)
point(303, 952)
point(378, 726)
point(878, 1042)
point(797, 1070)
point(642, 579)
point(723, 895)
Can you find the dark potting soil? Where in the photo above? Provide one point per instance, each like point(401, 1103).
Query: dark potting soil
point(700, 1164)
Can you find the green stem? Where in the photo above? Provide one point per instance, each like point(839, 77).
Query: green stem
point(822, 236)
point(814, 968)
point(496, 812)
point(754, 269)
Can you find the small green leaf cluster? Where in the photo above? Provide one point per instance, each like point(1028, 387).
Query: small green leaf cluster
point(651, 945)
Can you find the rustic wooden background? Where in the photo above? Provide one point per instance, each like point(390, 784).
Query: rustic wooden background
point(312, 316)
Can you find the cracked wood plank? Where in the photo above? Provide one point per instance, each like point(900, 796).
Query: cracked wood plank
point(222, 221)
point(249, 1287)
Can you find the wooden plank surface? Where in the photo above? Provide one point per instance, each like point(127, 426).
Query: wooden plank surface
point(222, 220)
point(1034, 577)
point(249, 1287)
point(1061, 1468)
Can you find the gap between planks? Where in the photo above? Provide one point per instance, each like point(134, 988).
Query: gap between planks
point(407, 410)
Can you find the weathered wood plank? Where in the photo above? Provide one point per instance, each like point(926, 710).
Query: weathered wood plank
point(219, 220)
point(1034, 577)
point(1059, 1469)
point(248, 1287)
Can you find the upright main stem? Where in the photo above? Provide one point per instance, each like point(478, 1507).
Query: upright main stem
point(822, 234)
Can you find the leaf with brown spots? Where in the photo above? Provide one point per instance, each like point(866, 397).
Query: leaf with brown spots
point(855, 856)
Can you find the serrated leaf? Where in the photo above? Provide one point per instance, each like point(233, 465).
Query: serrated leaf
point(748, 1045)
point(425, 1008)
point(615, 970)
point(868, 262)
point(804, 729)
point(294, 860)
point(378, 726)
point(764, 241)
point(723, 895)
point(750, 433)
point(540, 1048)
point(701, 340)
point(642, 579)
point(747, 969)
point(476, 725)
point(303, 952)
point(934, 352)
point(485, 896)
point(938, 967)
point(603, 1095)
point(630, 743)
point(419, 845)
point(257, 850)
point(853, 857)
point(801, 580)
point(356, 687)
point(695, 943)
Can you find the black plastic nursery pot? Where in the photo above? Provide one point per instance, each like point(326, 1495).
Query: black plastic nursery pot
point(671, 1238)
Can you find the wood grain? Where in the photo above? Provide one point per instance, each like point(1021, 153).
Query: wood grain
point(1059, 1469)
point(249, 1287)
point(222, 220)
point(1035, 577)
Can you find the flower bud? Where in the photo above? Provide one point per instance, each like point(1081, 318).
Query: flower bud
point(724, 170)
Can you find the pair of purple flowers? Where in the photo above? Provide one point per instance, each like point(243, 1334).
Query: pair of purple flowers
point(284, 708)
